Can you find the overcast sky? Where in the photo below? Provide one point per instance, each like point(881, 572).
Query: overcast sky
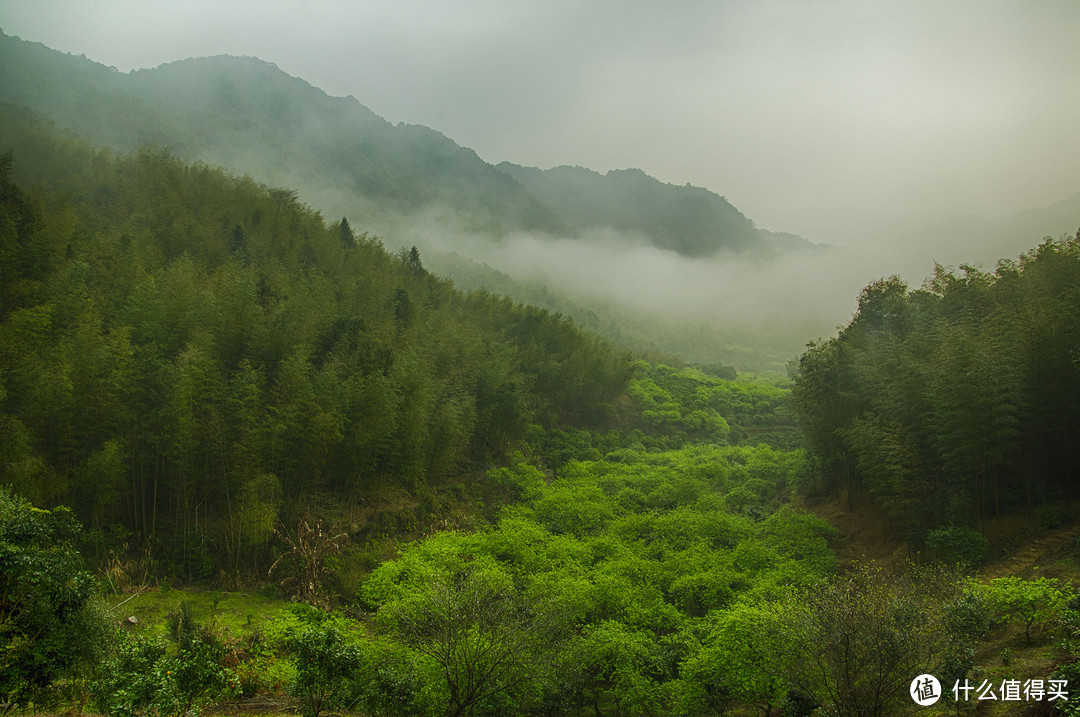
point(926, 105)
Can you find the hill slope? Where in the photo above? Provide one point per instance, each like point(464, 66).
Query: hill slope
point(178, 342)
point(250, 117)
point(687, 220)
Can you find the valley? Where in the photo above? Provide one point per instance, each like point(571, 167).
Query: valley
point(499, 440)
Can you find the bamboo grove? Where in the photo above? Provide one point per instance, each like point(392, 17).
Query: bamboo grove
point(955, 402)
point(189, 357)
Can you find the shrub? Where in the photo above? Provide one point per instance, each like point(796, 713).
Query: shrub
point(49, 627)
point(136, 679)
point(1052, 517)
point(959, 545)
point(1029, 602)
point(143, 676)
point(396, 681)
point(863, 635)
point(325, 664)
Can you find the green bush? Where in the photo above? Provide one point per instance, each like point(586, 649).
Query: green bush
point(136, 679)
point(1052, 517)
point(970, 616)
point(148, 677)
point(1029, 602)
point(50, 627)
point(198, 669)
point(959, 545)
point(200, 676)
point(326, 663)
point(396, 681)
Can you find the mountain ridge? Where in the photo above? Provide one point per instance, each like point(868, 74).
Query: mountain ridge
point(248, 115)
point(686, 220)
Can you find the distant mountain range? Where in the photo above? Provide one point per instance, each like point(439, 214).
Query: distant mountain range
point(250, 117)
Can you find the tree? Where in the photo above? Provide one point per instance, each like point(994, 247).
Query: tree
point(348, 238)
point(50, 624)
point(464, 613)
point(623, 666)
point(325, 662)
point(21, 255)
point(736, 665)
point(1012, 598)
point(412, 261)
point(394, 680)
point(855, 642)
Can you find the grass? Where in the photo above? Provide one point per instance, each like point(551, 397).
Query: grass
point(239, 613)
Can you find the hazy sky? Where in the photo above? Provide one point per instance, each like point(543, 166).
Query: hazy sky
point(935, 105)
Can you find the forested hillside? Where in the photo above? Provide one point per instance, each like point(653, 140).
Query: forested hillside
point(688, 220)
point(957, 401)
point(418, 500)
point(247, 115)
point(250, 117)
point(193, 355)
point(414, 186)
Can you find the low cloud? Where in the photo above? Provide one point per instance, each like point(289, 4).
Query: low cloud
point(804, 293)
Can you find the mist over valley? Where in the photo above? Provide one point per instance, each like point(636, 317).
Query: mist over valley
point(678, 254)
point(501, 359)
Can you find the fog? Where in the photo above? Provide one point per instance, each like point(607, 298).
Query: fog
point(606, 264)
point(964, 107)
point(770, 305)
point(899, 135)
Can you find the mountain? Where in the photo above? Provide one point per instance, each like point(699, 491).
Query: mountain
point(249, 116)
point(688, 220)
point(167, 325)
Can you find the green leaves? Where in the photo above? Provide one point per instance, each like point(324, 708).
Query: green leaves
point(676, 406)
point(49, 623)
point(1028, 602)
point(609, 582)
point(143, 676)
point(854, 641)
point(465, 613)
point(325, 663)
point(738, 663)
point(953, 401)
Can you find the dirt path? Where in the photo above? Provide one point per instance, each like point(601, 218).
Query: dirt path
point(1032, 553)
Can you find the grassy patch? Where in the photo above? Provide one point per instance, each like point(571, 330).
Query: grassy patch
point(238, 613)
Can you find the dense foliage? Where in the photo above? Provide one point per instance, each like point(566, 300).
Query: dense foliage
point(602, 588)
point(50, 624)
point(192, 356)
point(952, 402)
point(673, 407)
